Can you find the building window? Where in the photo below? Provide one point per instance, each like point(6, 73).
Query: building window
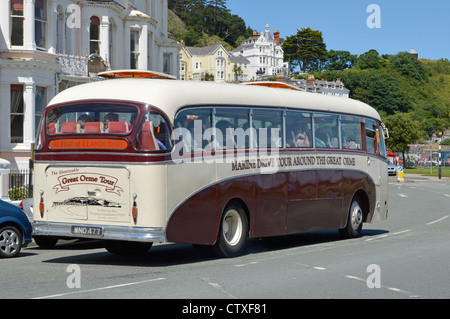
point(166, 63)
point(40, 23)
point(17, 20)
point(40, 102)
point(134, 49)
point(17, 113)
point(198, 65)
point(94, 35)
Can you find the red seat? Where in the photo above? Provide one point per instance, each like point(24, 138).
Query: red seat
point(118, 127)
point(70, 128)
point(52, 128)
point(147, 139)
point(93, 127)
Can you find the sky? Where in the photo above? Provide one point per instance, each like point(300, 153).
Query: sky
point(394, 25)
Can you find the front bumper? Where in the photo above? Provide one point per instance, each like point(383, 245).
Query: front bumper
point(123, 233)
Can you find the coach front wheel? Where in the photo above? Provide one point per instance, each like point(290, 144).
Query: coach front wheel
point(354, 221)
point(233, 233)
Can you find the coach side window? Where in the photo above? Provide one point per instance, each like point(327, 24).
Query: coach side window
point(190, 130)
point(268, 125)
point(232, 128)
point(370, 136)
point(298, 129)
point(326, 131)
point(153, 133)
point(351, 133)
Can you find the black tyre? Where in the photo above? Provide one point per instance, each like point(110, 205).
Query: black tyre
point(127, 247)
point(354, 221)
point(10, 241)
point(233, 232)
point(45, 242)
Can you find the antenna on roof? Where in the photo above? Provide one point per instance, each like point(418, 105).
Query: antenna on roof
point(125, 74)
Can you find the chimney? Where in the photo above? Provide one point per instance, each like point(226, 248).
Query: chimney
point(276, 36)
point(311, 79)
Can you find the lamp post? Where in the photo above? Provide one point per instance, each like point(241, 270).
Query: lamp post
point(439, 134)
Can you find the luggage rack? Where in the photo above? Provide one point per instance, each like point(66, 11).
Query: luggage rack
point(272, 84)
point(126, 74)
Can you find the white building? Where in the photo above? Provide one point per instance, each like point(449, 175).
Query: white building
point(49, 45)
point(264, 53)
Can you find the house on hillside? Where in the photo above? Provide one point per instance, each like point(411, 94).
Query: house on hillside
point(322, 86)
point(265, 54)
point(212, 62)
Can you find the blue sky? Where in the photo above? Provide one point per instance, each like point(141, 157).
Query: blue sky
point(404, 24)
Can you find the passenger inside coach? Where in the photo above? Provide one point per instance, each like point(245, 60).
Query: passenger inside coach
point(110, 117)
point(82, 119)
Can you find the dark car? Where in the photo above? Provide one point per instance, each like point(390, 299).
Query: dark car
point(15, 230)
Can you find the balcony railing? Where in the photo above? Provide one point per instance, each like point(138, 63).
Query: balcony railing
point(73, 65)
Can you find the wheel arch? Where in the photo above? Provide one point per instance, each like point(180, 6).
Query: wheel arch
point(365, 203)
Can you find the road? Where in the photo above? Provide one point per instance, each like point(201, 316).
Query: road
point(407, 256)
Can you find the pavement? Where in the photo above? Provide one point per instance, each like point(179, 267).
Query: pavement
point(409, 177)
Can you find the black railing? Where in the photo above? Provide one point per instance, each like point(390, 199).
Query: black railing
point(20, 184)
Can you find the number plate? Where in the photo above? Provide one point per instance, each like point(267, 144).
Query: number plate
point(87, 231)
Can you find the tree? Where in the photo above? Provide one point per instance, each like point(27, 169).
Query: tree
point(304, 48)
point(339, 60)
point(403, 130)
point(408, 65)
point(369, 60)
point(237, 70)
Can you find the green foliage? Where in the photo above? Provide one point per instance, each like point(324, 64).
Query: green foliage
point(339, 60)
point(407, 65)
point(369, 60)
point(400, 84)
point(403, 130)
point(19, 193)
point(304, 48)
point(210, 18)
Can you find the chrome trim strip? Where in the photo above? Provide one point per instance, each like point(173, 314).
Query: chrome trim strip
point(125, 233)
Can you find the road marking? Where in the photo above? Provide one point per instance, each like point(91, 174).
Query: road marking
point(101, 288)
point(402, 232)
point(437, 221)
point(243, 265)
point(378, 237)
point(398, 290)
point(386, 235)
point(403, 195)
point(353, 277)
point(319, 268)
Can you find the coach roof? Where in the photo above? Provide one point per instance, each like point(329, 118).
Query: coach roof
point(170, 96)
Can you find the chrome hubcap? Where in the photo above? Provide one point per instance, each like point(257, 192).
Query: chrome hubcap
point(232, 227)
point(356, 215)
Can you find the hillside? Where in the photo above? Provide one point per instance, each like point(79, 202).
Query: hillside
point(399, 84)
point(201, 23)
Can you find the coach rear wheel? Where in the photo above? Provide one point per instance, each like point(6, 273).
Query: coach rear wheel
point(355, 220)
point(233, 232)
